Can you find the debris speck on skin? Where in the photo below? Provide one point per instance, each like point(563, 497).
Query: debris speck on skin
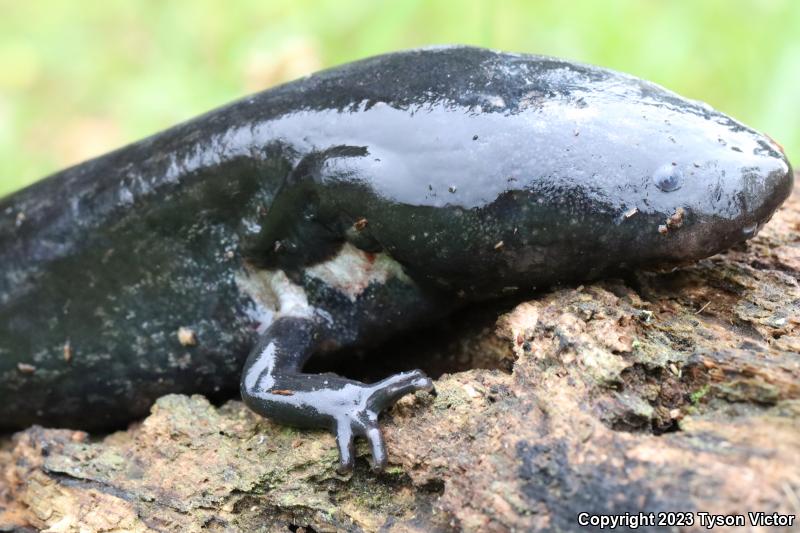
point(229, 254)
point(277, 246)
point(629, 213)
point(676, 220)
point(452, 188)
point(20, 218)
point(25, 368)
point(282, 392)
point(360, 224)
point(499, 245)
point(67, 352)
point(187, 336)
point(663, 229)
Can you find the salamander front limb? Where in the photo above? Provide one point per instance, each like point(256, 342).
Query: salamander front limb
point(274, 386)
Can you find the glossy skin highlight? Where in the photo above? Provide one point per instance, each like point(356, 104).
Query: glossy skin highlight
point(334, 211)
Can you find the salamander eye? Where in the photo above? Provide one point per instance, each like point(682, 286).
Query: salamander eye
point(668, 178)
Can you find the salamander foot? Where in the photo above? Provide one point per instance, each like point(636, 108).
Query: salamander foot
point(274, 386)
point(362, 420)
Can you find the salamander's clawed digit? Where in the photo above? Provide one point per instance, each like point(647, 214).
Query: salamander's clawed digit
point(388, 391)
point(344, 439)
point(379, 458)
point(363, 421)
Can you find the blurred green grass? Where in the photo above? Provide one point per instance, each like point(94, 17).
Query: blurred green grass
point(80, 78)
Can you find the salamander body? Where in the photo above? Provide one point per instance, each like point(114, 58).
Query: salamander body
point(340, 209)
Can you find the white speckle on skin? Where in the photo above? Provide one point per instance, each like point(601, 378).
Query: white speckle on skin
point(273, 295)
point(352, 270)
point(251, 226)
point(292, 299)
point(125, 196)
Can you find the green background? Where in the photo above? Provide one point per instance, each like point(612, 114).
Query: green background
point(80, 78)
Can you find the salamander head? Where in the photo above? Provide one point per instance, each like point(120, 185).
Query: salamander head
point(571, 172)
point(731, 191)
point(641, 197)
point(648, 185)
point(705, 181)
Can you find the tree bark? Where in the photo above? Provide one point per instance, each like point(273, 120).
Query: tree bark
point(675, 391)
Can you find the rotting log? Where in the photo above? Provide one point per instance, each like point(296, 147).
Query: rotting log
point(673, 391)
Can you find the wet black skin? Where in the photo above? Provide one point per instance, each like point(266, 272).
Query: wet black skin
point(477, 172)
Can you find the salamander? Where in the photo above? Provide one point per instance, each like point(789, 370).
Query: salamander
point(336, 211)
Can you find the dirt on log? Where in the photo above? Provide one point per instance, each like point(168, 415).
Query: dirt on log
point(671, 391)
